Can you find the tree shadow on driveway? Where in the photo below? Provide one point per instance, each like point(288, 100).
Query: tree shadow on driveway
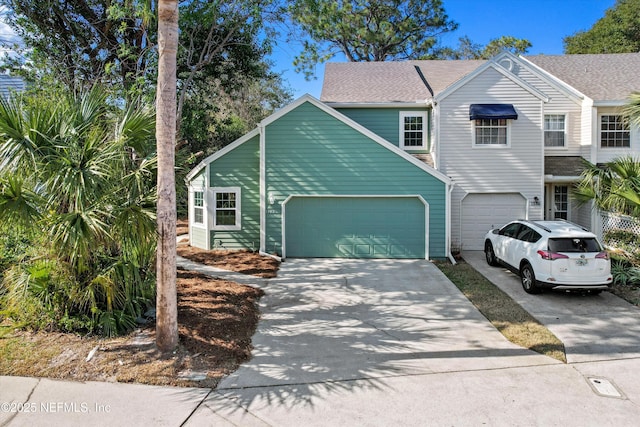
point(338, 326)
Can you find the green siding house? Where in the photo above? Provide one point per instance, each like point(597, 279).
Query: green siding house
point(312, 182)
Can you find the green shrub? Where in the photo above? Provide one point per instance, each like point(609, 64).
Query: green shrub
point(78, 175)
point(624, 273)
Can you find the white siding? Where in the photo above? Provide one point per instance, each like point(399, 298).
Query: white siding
point(604, 155)
point(559, 103)
point(582, 215)
point(514, 169)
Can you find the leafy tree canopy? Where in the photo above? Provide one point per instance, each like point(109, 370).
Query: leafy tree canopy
point(78, 44)
point(470, 50)
point(617, 32)
point(83, 42)
point(368, 30)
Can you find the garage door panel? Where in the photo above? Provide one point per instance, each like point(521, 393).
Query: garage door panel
point(364, 227)
point(482, 212)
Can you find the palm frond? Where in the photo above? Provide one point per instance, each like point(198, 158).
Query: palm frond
point(18, 204)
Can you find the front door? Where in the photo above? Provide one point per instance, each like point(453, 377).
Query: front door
point(557, 202)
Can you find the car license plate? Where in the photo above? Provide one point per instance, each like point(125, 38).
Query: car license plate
point(581, 262)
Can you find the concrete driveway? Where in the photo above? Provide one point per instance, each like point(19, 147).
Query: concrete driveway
point(388, 342)
point(592, 328)
point(341, 319)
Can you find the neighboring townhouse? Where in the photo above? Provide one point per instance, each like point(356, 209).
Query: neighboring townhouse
point(511, 133)
point(415, 159)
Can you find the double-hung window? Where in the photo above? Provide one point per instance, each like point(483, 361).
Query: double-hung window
point(554, 130)
point(413, 130)
point(491, 124)
point(491, 132)
point(614, 132)
point(227, 208)
point(198, 207)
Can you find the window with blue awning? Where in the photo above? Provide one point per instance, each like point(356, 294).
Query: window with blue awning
point(492, 111)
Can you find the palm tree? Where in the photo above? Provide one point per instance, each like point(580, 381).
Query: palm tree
point(613, 188)
point(632, 109)
point(79, 173)
point(166, 299)
point(616, 187)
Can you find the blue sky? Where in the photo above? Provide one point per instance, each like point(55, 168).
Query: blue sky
point(543, 22)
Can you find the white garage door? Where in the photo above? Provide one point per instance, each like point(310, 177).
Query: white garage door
point(482, 212)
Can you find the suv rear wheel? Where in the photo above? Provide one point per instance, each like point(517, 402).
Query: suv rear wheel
point(528, 279)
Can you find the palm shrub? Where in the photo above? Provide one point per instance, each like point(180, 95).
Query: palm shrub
point(613, 188)
point(78, 175)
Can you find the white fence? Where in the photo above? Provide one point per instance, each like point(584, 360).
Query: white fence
point(614, 222)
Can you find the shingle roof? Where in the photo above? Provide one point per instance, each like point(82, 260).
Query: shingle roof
point(372, 82)
point(563, 165)
point(441, 74)
point(383, 82)
point(604, 77)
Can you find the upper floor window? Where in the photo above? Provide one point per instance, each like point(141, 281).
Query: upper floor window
point(413, 130)
point(198, 207)
point(554, 130)
point(226, 214)
point(490, 132)
point(614, 132)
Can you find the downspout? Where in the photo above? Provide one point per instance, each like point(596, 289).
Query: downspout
point(448, 231)
point(263, 188)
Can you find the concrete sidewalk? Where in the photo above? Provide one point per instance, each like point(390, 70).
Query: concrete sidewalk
point(555, 394)
point(347, 343)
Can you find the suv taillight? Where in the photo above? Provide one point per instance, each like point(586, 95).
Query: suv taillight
point(603, 255)
point(551, 256)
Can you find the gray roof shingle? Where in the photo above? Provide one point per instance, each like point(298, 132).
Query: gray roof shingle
point(563, 166)
point(372, 82)
point(382, 82)
point(604, 77)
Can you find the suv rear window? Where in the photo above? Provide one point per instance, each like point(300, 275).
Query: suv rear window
point(574, 244)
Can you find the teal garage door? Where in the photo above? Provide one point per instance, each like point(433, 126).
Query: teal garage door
point(355, 227)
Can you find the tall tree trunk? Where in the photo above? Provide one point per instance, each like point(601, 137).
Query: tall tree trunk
point(166, 300)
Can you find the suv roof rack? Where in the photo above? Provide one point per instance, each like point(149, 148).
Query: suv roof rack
point(583, 228)
point(537, 224)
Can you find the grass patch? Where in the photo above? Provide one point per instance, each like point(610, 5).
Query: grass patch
point(514, 322)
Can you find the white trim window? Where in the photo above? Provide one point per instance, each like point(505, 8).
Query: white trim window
point(226, 209)
point(555, 130)
point(560, 202)
point(413, 130)
point(491, 132)
point(614, 132)
point(198, 207)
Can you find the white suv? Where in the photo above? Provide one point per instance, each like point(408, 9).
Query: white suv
point(550, 255)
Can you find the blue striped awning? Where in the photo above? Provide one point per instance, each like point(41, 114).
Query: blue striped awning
point(492, 111)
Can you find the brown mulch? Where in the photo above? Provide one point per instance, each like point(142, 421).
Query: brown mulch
point(216, 320)
point(241, 261)
point(182, 227)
